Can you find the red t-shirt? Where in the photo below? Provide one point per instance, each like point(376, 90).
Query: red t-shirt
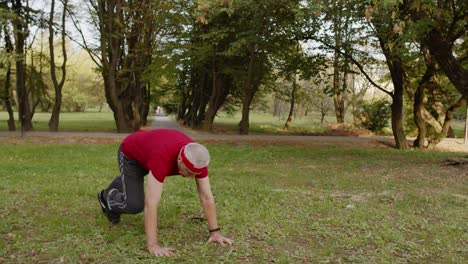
point(157, 151)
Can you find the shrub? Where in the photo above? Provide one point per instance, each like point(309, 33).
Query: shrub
point(375, 115)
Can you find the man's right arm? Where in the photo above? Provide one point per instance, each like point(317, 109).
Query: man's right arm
point(152, 196)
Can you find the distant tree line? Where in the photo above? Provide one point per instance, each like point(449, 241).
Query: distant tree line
point(199, 57)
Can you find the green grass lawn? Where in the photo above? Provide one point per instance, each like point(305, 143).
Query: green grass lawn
point(70, 122)
point(265, 123)
point(280, 204)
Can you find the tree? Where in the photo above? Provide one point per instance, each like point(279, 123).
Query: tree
point(434, 104)
point(128, 31)
point(384, 18)
point(7, 81)
point(20, 32)
point(439, 25)
point(58, 85)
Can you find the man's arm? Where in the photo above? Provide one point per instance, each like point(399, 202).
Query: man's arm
point(209, 207)
point(152, 196)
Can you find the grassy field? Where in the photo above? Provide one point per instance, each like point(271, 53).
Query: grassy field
point(70, 122)
point(261, 123)
point(281, 204)
point(265, 123)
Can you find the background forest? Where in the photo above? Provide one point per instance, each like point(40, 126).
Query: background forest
point(371, 64)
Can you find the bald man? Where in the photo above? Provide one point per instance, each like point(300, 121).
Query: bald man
point(159, 153)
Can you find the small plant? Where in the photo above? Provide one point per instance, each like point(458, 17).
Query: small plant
point(375, 115)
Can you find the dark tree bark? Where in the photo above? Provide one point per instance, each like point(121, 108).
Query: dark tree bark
point(58, 86)
point(6, 99)
point(248, 94)
point(419, 100)
point(293, 102)
point(418, 118)
point(397, 73)
point(447, 122)
point(441, 50)
point(220, 89)
point(24, 109)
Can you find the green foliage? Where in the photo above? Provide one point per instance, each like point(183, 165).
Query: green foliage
point(280, 204)
point(375, 115)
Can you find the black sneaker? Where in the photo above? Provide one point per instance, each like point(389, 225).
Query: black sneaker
point(114, 218)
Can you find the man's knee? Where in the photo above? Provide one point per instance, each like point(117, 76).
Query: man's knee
point(135, 207)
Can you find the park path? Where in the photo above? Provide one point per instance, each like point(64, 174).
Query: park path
point(163, 121)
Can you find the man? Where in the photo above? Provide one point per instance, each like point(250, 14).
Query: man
point(158, 153)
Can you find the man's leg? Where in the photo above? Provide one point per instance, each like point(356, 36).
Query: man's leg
point(126, 192)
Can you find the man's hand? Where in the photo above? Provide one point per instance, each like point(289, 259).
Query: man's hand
point(161, 251)
point(217, 237)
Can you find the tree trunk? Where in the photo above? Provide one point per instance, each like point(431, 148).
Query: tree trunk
point(127, 36)
point(7, 102)
point(248, 95)
point(397, 105)
point(418, 106)
point(220, 91)
point(395, 66)
point(293, 101)
point(466, 124)
point(58, 86)
point(276, 106)
point(337, 94)
point(337, 90)
point(323, 110)
point(418, 118)
point(24, 109)
point(447, 122)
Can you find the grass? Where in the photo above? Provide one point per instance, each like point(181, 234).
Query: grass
point(71, 122)
point(282, 204)
point(262, 123)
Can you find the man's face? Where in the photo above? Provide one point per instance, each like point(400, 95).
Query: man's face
point(183, 171)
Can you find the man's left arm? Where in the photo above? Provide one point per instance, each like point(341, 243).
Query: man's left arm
point(209, 207)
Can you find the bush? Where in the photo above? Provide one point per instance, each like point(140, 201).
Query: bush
point(375, 115)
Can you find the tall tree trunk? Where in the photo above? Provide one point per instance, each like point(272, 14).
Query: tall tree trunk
point(293, 102)
point(338, 98)
point(276, 106)
point(124, 32)
point(397, 73)
point(6, 99)
point(466, 123)
point(24, 109)
point(111, 30)
point(418, 118)
point(419, 100)
point(145, 105)
point(219, 92)
point(397, 105)
point(337, 92)
point(248, 95)
point(55, 117)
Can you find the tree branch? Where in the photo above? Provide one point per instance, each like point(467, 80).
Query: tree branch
point(360, 67)
point(94, 57)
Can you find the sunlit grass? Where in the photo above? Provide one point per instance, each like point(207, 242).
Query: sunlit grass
point(70, 121)
point(266, 123)
point(281, 204)
point(260, 123)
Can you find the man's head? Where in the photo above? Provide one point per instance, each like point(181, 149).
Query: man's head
point(193, 159)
